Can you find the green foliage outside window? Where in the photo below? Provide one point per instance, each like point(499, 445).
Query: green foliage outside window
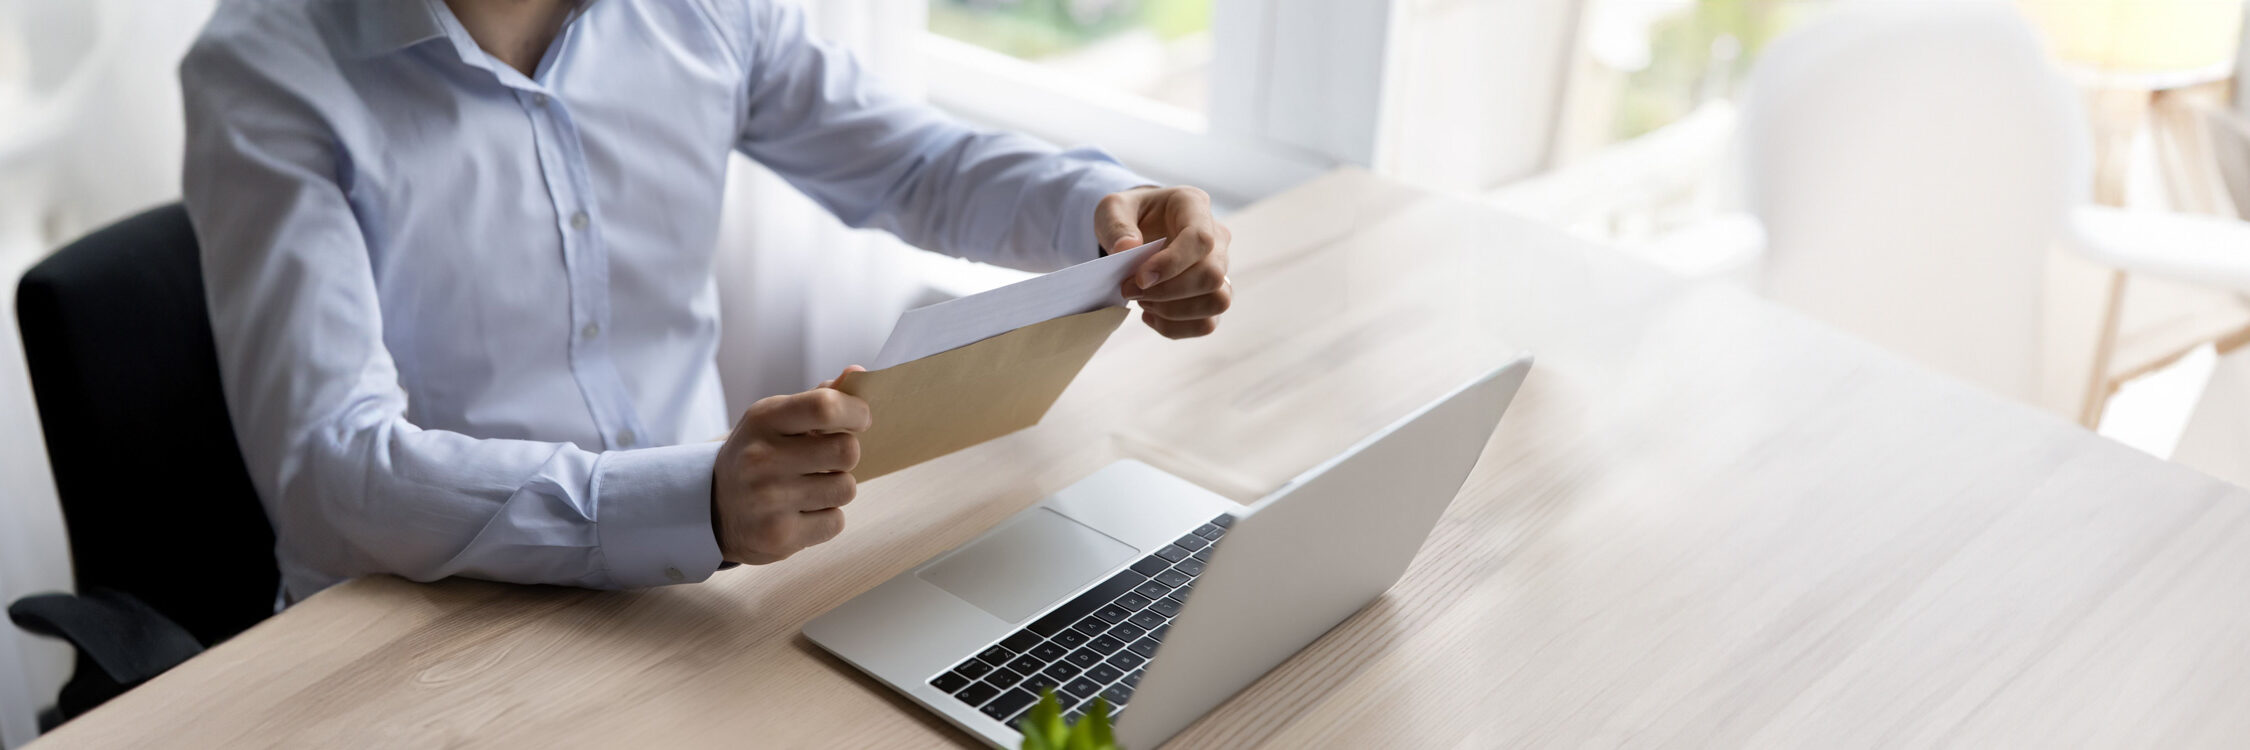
point(1699, 54)
point(1032, 29)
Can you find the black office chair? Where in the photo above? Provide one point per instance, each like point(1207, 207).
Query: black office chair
point(172, 551)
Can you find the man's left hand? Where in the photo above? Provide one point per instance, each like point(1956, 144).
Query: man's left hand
point(1183, 287)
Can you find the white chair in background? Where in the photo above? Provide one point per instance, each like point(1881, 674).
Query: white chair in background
point(1911, 166)
point(2210, 251)
point(1915, 166)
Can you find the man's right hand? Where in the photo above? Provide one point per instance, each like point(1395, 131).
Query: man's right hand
point(784, 475)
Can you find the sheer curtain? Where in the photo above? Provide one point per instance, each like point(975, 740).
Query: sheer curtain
point(99, 71)
point(802, 295)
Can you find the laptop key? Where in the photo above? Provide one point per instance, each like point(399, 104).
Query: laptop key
point(1152, 589)
point(1079, 607)
point(1104, 674)
point(1144, 647)
point(1063, 671)
point(1084, 658)
point(1038, 682)
point(1173, 578)
point(1167, 606)
point(1004, 677)
point(996, 655)
point(1113, 613)
point(1127, 632)
point(1201, 554)
point(1048, 651)
point(1173, 553)
point(1159, 631)
point(1023, 640)
point(1081, 688)
point(949, 682)
point(1223, 521)
point(1190, 566)
point(1132, 679)
point(1006, 706)
point(1191, 543)
point(1149, 565)
point(1026, 664)
point(1126, 660)
point(1209, 531)
point(1134, 601)
point(1106, 645)
point(1149, 620)
point(973, 668)
point(1118, 694)
point(977, 694)
point(1069, 638)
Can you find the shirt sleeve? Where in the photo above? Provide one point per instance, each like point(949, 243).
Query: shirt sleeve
point(351, 486)
point(875, 158)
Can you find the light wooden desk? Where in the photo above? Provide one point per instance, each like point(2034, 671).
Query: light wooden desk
point(1706, 522)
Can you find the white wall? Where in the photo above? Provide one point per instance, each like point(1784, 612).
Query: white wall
point(121, 154)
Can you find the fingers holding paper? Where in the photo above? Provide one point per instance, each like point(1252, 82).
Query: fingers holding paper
point(783, 476)
point(1183, 287)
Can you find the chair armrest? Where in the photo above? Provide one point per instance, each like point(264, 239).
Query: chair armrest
point(2205, 250)
point(129, 640)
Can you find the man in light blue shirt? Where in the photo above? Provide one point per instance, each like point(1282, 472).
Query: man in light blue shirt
point(459, 259)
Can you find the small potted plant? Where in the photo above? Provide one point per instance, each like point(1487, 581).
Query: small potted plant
point(1045, 729)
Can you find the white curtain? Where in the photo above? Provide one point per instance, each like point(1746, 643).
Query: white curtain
point(802, 295)
point(103, 69)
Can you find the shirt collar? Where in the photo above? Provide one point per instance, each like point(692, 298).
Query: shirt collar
point(380, 27)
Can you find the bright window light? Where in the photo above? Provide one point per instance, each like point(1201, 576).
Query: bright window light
point(1156, 49)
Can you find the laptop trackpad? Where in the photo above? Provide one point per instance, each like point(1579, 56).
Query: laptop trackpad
point(1030, 564)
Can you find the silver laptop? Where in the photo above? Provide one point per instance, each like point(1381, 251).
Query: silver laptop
point(1087, 591)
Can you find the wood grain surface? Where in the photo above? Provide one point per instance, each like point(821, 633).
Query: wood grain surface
point(1707, 522)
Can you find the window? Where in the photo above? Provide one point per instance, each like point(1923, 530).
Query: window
point(1649, 116)
point(1242, 97)
point(1649, 64)
point(1159, 50)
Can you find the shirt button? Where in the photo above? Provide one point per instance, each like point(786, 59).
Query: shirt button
point(539, 100)
point(590, 331)
point(625, 438)
point(675, 575)
point(579, 221)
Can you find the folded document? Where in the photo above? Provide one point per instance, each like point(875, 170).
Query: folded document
point(968, 370)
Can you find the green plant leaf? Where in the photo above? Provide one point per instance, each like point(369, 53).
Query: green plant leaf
point(1096, 725)
point(1043, 727)
point(1080, 738)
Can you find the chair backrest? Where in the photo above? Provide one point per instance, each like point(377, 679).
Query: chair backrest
point(1912, 164)
point(153, 489)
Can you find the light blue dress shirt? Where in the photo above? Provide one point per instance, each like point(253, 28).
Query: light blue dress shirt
point(466, 318)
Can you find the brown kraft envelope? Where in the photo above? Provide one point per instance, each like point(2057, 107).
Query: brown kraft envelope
point(961, 397)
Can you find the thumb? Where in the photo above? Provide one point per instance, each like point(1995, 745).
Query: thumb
point(840, 379)
point(1117, 223)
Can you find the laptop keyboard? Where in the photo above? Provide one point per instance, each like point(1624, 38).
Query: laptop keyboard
point(1094, 645)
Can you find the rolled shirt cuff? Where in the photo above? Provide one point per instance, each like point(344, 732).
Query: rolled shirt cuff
point(653, 515)
point(1074, 233)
